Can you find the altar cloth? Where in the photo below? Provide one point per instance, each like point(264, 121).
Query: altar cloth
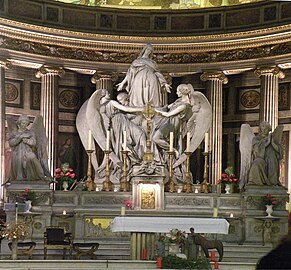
point(165, 224)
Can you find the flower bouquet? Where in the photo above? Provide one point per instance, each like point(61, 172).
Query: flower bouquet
point(269, 199)
point(64, 176)
point(28, 195)
point(176, 236)
point(228, 179)
point(128, 204)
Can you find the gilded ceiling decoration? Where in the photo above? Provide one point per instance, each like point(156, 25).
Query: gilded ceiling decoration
point(159, 4)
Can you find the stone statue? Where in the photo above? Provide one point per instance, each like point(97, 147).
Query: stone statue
point(260, 155)
point(29, 157)
point(191, 247)
point(145, 84)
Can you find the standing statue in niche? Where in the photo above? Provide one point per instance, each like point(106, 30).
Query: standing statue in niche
point(260, 155)
point(145, 83)
point(29, 157)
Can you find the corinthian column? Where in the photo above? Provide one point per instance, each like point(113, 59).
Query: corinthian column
point(269, 93)
point(3, 64)
point(49, 109)
point(214, 85)
point(104, 80)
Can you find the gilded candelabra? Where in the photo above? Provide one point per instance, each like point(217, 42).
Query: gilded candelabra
point(187, 186)
point(205, 184)
point(107, 184)
point(148, 113)
point(171, 186)
point(89, 183)
point(124, 185)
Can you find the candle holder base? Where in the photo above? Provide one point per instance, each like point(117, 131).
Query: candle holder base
point(171, 187)
point(205, 187)
point(187, 188)
point(107, 186)
point(90, 185)
point(124, 185)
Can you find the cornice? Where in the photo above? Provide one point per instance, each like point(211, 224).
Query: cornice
point(105, 42)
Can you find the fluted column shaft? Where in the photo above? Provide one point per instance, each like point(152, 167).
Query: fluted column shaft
point(49, 109)
point(104, 81)
point(214, 86)
point(269, 94)
point(3, 64)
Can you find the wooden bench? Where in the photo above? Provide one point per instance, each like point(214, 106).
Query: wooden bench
point(85, 249)
point(24, 248)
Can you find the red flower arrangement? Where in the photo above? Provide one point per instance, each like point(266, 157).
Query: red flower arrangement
point(129, 204)
point(176, 236)
point(28, 195)
point(268, 199)
point(65, 173)
point(228, 177)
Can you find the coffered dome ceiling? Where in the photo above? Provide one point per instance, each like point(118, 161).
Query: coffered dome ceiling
point(158, 4)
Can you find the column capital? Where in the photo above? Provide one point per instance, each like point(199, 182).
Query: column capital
point(5, 63)
point(214, 75)
point(46, 70)
point(113, 76)
point(263, 71)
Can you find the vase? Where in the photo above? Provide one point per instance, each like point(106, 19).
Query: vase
point(28, 205)
point(269, 210)
point(227, 188)
point(174, 248)
point(65, 185)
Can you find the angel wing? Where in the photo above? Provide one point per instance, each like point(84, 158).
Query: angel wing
point(277, 134)
point(83, 130)
point(198, 124)
point(41, 143)
point(245, 147)
point(99, 123)
point(12, 126)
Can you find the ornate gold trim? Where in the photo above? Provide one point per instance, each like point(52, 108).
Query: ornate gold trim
point(214, 75)
point(47, 70)
point(276, 71)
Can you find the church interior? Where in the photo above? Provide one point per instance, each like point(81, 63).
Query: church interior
point(123, 121)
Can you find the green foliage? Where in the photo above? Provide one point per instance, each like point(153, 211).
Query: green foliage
point(174, 262)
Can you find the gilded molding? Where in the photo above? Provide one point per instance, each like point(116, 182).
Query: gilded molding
point(48, 70)
point(214, 75)
point(113, 76)
point(263, 71)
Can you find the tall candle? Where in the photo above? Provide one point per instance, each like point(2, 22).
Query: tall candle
point(122, 211)
point(171, 141)
point(212, 255)
point(159, 262)
point(206, 141)
point(188, 142)
point(215, 212)
point(107, 139)
point(124, 140)
point(16, 213)
point(90, 140)
point(216, 265)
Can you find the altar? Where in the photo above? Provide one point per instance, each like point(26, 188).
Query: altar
point(144, 230)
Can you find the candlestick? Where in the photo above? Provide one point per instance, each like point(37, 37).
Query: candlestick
point(89, 183)
point(64, 212)
point(171, 141)
point(124, 140)
point(107, 184)
point(171, 186)
point(90, 140)
point(187, 185)
point(159, 262)
point(212, 255)
point(205, 184)
point(124, 184)
point(206, 142)
point(107, 140)
point(188, 142)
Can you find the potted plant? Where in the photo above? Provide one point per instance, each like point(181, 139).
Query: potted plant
point(28, 196)
point(269, 201)
point(175, 238)
point(228, 180)
point(64, 176)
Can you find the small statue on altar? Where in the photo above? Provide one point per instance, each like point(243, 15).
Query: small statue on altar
point(161, 246)
point(29, 156)
point(260, 155)
point(145, 83)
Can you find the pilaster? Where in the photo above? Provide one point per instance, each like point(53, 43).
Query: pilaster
point(269, 93)
point(215, 80)
point(104, 80)
point(49, 108)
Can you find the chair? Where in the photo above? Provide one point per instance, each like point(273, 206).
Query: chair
point(24, 248)
point(57, 238)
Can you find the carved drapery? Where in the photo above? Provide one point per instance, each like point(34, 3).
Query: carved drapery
point(269, 93)
point(49, 109)
point(3, 64)
point(214, 86)
point(104, 80)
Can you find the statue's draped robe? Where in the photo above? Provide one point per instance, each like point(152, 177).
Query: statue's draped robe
point(144, 83)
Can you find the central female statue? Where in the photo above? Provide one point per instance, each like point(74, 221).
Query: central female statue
point(145, 84)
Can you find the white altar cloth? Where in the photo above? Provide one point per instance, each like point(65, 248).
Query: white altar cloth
point(165, 224)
